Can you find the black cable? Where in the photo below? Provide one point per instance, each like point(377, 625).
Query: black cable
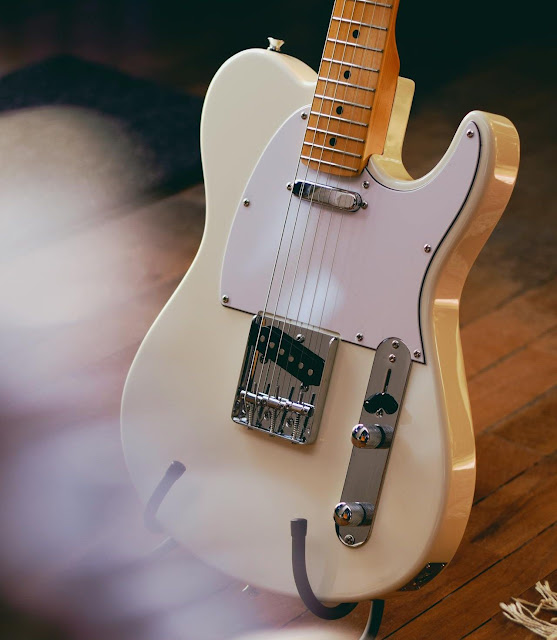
point(173, 473)
point(298, 529)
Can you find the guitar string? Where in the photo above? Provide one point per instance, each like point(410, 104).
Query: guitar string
point(308, 168)
point(349, 27)
point(321, 337)
point(329, 177)
point(387, 17)
point(264, 313)
point(336, 179)
point(328, 181)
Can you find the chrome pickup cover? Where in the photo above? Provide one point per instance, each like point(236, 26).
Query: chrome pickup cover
point(347, 201)
point(284, 379)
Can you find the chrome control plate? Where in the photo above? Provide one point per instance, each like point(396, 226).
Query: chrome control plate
point(284, 379)
point(381, 408)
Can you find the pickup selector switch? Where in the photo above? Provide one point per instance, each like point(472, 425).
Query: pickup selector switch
point(372, 436)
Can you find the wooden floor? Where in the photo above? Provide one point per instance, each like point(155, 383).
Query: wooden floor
point(78, 300)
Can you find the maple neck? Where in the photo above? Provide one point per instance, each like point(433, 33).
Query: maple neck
point(355, 88)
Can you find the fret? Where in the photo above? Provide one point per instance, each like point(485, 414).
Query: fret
point(337, 135)
point(324, 115)
point(331, 164)
point(375, 4)
point(352, 104)
point(347, 84)
point(361, 24)
point(350, 64)
point(354, 44)
point(346, 153)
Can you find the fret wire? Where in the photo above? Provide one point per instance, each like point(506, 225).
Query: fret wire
point(377, 4)
point(352, 104)
point(337, 135)
point(323, 115)
point(331, 164)
point(348, 84)
point(353, 44)
point(361, 24)
point(350, 64)
point(320, 146)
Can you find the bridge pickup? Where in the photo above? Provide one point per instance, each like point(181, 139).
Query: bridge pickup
point(277, 345)
point(347, 201)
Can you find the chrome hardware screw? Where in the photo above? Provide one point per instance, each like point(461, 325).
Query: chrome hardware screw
point(246, 203)
point(366, 184)
point(225, 299)
point(379, 413)
point(392, 358)
point(395, 344)
point(470, 133)
point(359, 337)
point(300, 338)
point(349, 539)
point(364, 205)
point(427, 248)
point(417, 354)
point(304, 116)
point(289, 186)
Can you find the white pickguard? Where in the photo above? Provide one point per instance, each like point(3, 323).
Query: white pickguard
point(332, 263)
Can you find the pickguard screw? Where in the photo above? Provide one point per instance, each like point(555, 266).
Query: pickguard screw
point(366, 185)
point(349, 539)
point(470, 133)
point(304, 116)
point(289, 186)
point(417, 354)
point(427, 248)
point(395, 344)
point(392, 358)
point(246, 202)
point(359, 337)
point(225, 299)
point(364, 205)
point(300, 338)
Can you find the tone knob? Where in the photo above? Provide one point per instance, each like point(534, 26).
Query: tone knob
point(353, 514)
point(372, 436)
point(274, 44)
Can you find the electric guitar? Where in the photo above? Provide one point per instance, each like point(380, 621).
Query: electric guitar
point(309, 364)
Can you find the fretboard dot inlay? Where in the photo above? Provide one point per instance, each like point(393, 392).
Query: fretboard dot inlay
point(339, 110)
point(332, 142)
point(347, 74)
point(356, 33)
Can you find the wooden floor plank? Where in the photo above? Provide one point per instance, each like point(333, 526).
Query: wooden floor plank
point(513, 382)
point(500, 627)
point(477, 601)
point(510, 327)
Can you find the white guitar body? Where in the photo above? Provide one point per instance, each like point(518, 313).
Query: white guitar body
point(241, 489)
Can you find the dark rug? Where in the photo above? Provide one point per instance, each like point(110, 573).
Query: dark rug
point(163, 122)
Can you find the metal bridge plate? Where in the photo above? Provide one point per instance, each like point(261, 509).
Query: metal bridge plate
point(284, 379)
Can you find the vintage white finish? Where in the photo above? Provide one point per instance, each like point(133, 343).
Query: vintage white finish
point(352, 274)
point(234, 504)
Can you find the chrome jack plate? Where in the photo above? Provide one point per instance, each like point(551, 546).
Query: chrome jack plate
point(371, 440)
point(284, 379)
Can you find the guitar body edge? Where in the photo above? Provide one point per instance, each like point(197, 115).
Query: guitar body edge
point(179, 393)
